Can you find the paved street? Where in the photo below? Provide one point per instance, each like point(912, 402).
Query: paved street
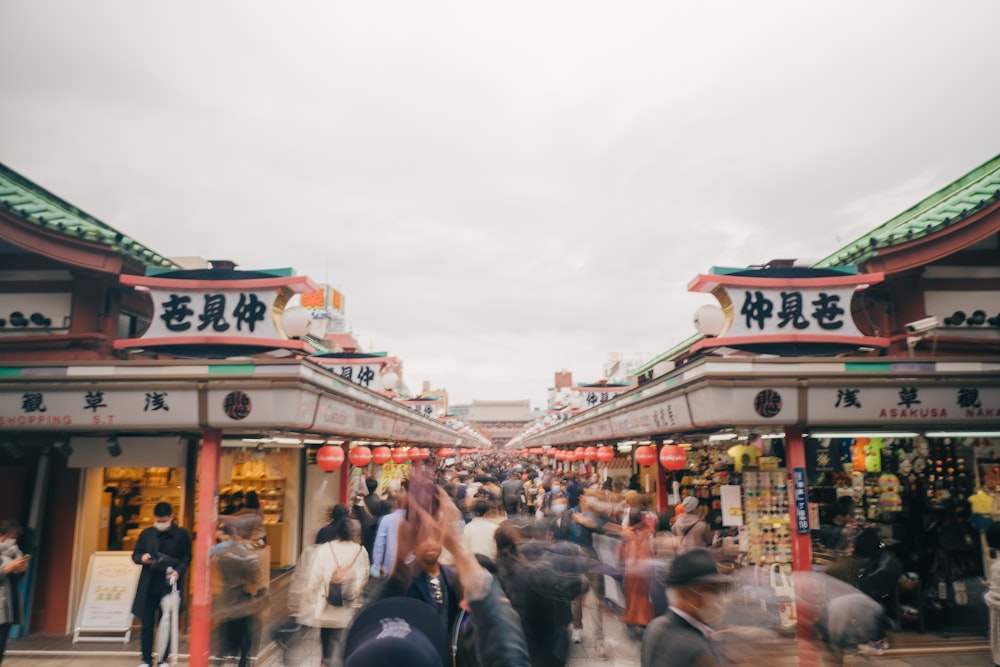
point(621, 652)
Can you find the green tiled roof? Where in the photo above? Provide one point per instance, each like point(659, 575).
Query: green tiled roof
point(946, 207)
point(672, 353)
point(38, 206)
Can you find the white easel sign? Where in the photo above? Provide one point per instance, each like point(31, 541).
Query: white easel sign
point(105, 612)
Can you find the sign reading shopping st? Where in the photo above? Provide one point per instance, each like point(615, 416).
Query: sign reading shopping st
point(786, 310)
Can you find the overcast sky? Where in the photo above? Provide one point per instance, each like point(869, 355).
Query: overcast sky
point(501, 190)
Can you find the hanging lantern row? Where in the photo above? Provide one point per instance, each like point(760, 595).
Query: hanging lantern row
point(330, 457)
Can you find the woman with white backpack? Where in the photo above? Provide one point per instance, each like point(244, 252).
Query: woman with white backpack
point(338, 572)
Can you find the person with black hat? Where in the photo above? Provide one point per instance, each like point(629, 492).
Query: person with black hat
point(164, 551)
point(696, 596)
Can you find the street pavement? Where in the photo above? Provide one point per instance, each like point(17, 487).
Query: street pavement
point(621, 651)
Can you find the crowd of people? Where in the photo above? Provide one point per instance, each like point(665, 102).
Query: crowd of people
point(491, 564)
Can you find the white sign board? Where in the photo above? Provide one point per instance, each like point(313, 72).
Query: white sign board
point(732, 504)
point(106, 601)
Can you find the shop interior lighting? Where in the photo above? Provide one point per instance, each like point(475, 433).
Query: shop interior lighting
point(645, 442)
point(627, 443)
point(869, 434)
point(773, 436)
point(720, 437)
point(12, 450)
point(285, 440)
point(114, 447)
point(62, 446)
point(963, 434)
point(334, 442)
point(312, 441)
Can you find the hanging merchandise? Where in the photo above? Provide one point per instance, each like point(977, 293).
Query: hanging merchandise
point(889, 499)
point(873, 455)
point(858, 463)
point(765, 511)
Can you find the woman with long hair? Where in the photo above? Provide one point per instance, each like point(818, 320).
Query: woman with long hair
point(324, 608)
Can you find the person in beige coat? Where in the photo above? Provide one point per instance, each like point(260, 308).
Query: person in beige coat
point(343, 551)
point(690, 529)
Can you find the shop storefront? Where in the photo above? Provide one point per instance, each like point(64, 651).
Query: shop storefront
point(99, 422)
point(874, 374)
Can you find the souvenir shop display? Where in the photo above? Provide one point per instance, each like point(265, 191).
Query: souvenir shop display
point(766, 517)
point(929, 501)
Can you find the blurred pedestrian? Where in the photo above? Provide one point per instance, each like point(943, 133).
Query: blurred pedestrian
point(330, 601)
point(242, 594)
point(696, 597)
point(635, 557)
point(13, 563)
point(690, 528)
point(993, 594)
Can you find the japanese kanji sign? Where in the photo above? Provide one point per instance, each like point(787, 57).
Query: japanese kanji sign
point(912, 403)
point(216, 312)
point(803, 309)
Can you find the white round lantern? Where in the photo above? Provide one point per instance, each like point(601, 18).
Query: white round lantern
point(709, 320)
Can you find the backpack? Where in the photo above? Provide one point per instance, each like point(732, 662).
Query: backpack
point(343, 587)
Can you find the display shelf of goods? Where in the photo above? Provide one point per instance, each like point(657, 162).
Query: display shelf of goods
point(270, 492)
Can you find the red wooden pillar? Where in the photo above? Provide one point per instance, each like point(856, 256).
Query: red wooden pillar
point(661, 483)
point(205, 519)
point(795, 455)
point(345, 480)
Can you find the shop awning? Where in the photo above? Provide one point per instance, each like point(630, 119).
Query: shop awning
point(716, 393)
point(236, 397)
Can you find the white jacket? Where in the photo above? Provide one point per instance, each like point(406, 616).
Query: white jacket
point(313, 609)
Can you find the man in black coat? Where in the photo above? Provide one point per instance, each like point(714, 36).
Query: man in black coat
point(368, 510)
point(681, 638)
point(164, 551)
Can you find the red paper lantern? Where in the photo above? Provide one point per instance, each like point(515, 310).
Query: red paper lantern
point(551, 451)
point(645, 455)
point(570, 457)
point(673, 457)
point(329, 458)
point(424, 453)
point(446, 452)
point(591, 453)
point(360, 456)
point(381, 454)
point(606, 454)
point(580, 453)
point(400, 455)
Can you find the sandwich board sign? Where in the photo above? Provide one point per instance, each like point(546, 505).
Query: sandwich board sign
point(105, 612)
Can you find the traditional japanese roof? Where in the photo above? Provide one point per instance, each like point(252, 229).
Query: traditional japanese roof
point(36, 206)
point(945, 208)
point(672, 353)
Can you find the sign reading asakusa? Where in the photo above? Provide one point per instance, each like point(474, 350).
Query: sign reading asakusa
point(765, 307)
point(849, 404)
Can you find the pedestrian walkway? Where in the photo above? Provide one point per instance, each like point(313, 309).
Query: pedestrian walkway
point(621, 651)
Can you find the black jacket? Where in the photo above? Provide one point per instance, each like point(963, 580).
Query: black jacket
point(169, 548)
point(670, 641)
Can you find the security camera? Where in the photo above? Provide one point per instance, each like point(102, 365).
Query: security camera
point(923, 325)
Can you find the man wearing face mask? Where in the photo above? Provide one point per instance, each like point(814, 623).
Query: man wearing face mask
point(696, 595)
point(164, 551)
